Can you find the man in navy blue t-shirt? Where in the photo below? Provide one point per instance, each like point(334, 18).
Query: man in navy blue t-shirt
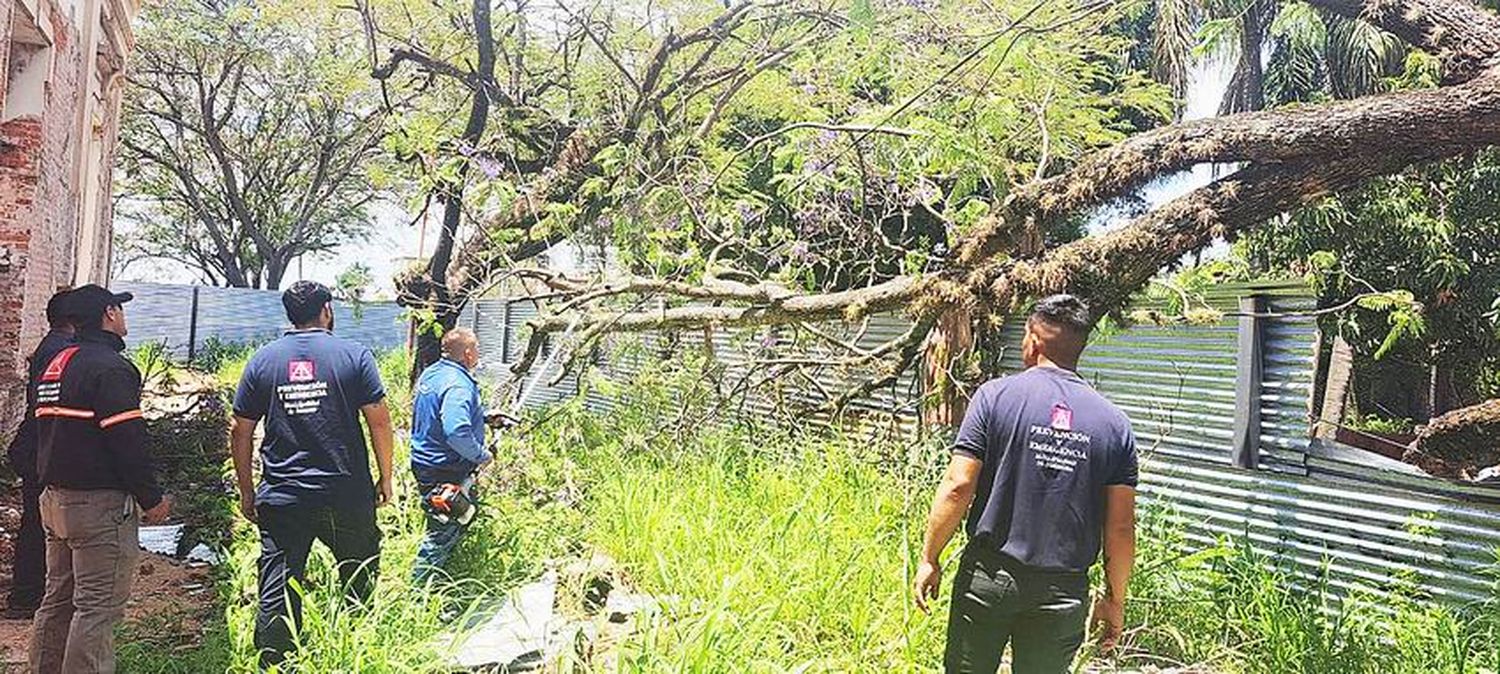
point(311, 388)
point(1046, 469)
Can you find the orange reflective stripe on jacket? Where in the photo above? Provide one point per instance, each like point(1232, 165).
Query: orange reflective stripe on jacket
point(120, 418)
point(71, 412)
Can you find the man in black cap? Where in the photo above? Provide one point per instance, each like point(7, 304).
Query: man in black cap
point(98, 482)
point(28, 574)
point(311, 388)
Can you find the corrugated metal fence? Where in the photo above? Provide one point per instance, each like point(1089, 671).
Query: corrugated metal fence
point(1225, 467)
point(741, 356)
point(173, 315)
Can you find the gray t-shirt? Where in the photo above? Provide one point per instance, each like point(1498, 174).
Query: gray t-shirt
point(1050, 444)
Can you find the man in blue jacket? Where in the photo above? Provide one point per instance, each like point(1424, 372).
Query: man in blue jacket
point(447, 439)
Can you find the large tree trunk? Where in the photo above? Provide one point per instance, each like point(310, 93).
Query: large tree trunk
point(435, 295)
point(1461, 443)
point(1288, 158)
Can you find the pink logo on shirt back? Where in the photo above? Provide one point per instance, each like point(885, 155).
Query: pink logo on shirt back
point(301, 370)
point(1062, 417)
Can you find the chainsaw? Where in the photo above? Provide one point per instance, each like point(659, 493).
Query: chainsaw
point(455, 502)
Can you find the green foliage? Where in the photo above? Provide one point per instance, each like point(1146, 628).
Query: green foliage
point(352, 284)
point(155, 363)
point(1381, 425)
point(224, 359)
point(786, 164)
point(1239, 610)
point(1312, 55)
point(1421, 251)
point(395, 366)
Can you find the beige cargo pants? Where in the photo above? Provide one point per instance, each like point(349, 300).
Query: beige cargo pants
point(92, 547)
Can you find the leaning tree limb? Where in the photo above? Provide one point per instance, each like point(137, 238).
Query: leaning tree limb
point(1405, 124)
point(1285, 158)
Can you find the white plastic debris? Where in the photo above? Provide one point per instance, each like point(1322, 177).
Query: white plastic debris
point(161, 540)
point(203, 554)
point(621, 606)
point(516, 633)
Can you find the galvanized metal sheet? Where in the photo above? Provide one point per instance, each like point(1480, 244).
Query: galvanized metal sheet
point(1365, 522)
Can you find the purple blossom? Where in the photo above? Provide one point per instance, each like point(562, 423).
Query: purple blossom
point(800, 251)
point(769, 340)
point(489, 165)
point(746, 212)
point(826, 137)
point(466, 150)
point(809, 88)
point(924, 193)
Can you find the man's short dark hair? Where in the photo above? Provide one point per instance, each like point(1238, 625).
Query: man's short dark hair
point(58, 311)
point(304, 301)
point(1066, 312)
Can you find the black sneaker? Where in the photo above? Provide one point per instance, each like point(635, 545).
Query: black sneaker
point(18, 612)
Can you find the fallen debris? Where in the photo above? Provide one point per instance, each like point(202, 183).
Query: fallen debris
point(162, 540)
point(202, 554)
point(622, 606)
point(514, 635)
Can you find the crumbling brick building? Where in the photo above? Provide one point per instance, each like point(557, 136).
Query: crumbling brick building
point(61, 78)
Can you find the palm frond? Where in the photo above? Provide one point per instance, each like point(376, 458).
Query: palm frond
point(1247, 88)
point(1297, 72)
point(1174, 34)
point(1360, 56)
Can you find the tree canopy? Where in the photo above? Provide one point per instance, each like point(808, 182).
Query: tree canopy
point(786, 162)
point(250, 137)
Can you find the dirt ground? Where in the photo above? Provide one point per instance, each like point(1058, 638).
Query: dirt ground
point(168, 594)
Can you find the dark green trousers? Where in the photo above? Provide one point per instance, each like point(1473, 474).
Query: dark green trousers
point(997, 601)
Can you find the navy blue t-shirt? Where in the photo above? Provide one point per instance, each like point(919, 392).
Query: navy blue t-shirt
point(1050, 444)
point(309, 386)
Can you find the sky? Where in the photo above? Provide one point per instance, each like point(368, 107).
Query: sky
point(398, 238)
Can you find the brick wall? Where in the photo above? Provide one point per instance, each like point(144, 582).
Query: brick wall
point(7, 8)
point(40, 194)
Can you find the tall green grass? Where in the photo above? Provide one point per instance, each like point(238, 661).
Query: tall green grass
point(1245, 610)
point(778, 549)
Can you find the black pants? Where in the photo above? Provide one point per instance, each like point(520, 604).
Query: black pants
point(286, 537)
point(996, 601)
point(28, 575)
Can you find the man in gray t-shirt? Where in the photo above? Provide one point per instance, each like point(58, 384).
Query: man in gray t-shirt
point(1046, 468)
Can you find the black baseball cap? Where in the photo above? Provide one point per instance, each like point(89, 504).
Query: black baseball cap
point(86, 304)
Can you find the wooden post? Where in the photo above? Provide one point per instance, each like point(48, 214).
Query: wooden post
point(1249, 382)
point(193, 328)
point(505, 331)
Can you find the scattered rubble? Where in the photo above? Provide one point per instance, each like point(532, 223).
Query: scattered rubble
point(580, 609)
point(161, 540)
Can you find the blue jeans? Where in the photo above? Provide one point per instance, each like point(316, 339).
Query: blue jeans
point(437, 547)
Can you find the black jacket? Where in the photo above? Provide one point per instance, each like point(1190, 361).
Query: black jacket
point(22, 450)
point(90, 434)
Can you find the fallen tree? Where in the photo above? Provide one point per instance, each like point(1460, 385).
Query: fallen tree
point(1461, 444)
point(1287, 157)
point(1279, 160)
